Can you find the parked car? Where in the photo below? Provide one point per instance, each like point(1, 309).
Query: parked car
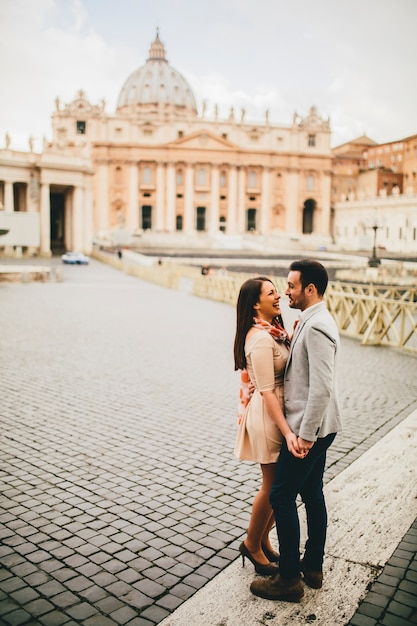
point(75, 258)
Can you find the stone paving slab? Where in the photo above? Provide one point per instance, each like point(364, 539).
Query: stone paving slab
point(119, 493)
point(392, 598)
point(371, 505)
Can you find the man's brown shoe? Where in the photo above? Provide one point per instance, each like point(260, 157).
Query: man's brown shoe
point(278, 588)
point(311, 578)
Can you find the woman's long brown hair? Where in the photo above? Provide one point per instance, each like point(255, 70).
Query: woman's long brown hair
point(249, 295)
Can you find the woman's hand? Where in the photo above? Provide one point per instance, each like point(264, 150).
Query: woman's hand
point(292, 445)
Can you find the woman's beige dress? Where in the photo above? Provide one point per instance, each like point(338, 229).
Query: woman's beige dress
point(258, 438)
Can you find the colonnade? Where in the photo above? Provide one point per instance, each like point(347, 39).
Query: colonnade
point(226, 194)
point(36, 197)
point(166, 207)
point(78, 218)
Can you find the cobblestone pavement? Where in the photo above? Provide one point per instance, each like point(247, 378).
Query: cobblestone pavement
point(120, 496)
point(392, 599)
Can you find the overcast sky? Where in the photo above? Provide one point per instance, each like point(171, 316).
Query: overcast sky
point(355, 60)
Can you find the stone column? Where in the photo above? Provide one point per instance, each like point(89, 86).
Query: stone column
point(133, 203)
point(77, 219)
point(231, 226)
point(189, 221)
point(45, 221)
point(68, 221)
point(241, 218)
point(32, 204)
point(32, 195)
point(213, 226)
point(8, 196)
point(9, 208)
point(160, 197)
point(326, 184)
point(291, 193)
point(264, 222)
point(171, 199)
point(103, 197)
point(88, 218)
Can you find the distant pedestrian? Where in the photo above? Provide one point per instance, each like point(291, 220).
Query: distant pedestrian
point(312, 412)
point(261, 350)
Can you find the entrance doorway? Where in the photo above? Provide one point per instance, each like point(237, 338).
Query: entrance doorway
point(201, 218)
point(308, 216)
point(146, 217)
point(57, 201)
point(251, 220)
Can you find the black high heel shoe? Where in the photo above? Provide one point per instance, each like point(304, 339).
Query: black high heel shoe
point(260, 568)
point(271, 555)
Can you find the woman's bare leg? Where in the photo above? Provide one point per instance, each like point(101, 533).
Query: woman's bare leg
point(262, 518)
point(265, 539)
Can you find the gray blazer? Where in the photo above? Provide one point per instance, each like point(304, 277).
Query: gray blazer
point(310, 387)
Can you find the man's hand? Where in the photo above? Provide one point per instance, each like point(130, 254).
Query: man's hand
point(292, 445)
point(304, 446)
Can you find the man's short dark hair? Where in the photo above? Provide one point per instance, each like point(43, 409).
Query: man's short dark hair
point(311, 272)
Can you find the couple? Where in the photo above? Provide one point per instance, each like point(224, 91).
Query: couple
point(289, 418)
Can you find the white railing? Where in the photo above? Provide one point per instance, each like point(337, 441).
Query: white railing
point(376, 315)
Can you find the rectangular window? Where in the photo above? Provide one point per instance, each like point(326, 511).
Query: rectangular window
point(310, 183)
point(311, 141)
point(201, 177)
point(81, 127)
point(146, 175)
point(252, 180)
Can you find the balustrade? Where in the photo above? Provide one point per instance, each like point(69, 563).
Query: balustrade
point(374, 314)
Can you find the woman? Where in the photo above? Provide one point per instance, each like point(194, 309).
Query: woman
point(261, 351)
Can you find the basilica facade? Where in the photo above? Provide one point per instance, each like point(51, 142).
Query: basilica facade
point(159, 165)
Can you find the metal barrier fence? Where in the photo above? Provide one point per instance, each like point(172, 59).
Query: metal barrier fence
point(376, 315)
point(376, 320)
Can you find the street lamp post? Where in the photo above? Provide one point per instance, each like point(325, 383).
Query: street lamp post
point(374, 261)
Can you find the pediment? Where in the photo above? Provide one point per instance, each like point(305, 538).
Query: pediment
point(204, 140)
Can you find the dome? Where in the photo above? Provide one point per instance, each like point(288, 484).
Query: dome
point(155, 85)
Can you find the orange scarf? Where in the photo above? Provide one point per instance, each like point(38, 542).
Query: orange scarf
point(280, 335)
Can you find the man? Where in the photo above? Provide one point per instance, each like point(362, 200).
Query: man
point(312, 412)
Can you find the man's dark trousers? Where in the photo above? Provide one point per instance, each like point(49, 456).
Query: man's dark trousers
point(305, 477)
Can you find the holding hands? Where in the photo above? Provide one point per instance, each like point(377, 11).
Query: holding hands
point(297, 446)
